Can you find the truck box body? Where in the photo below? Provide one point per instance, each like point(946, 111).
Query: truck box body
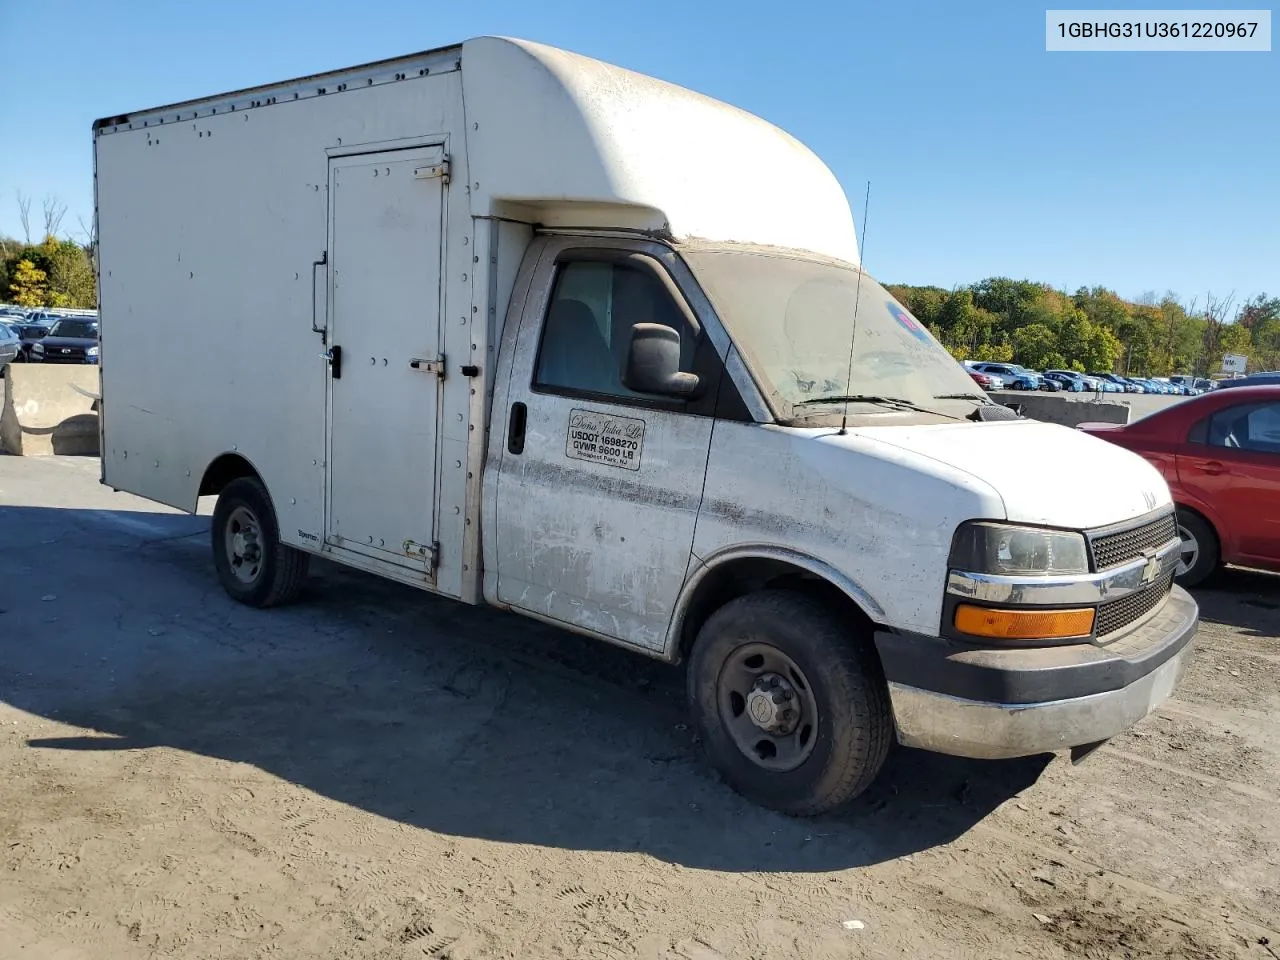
point(388, 207)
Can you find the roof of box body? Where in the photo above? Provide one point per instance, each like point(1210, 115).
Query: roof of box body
point(565, 140)
point(565, 133)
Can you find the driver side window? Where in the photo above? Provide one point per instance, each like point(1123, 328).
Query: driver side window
point(586, 334)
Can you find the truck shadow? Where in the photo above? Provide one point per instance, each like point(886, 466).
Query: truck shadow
point(1246, 599)
point(460, 720)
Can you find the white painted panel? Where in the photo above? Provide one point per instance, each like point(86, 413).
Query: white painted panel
point(208, 229)
point(596, 543)
point(385, 256)
point(581, 142)
point(880, 517)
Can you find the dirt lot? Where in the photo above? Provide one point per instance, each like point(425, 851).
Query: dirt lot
point(374, 773)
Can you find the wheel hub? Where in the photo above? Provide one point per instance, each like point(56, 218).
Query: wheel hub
point(771, 704)
point(244, 545)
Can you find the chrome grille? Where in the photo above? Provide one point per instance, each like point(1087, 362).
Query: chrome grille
point(1114, 549)
point(1114, 616)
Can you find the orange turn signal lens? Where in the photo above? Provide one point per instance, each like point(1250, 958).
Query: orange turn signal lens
point(1023, 624)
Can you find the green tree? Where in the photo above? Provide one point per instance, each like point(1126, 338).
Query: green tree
point(1036, 346)
point(71, 278)
point(1007, 298)
point(1102, 350)
point(1258, 310)
point(1266, 344)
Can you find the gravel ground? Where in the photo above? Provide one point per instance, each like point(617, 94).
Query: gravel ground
point(375, 773)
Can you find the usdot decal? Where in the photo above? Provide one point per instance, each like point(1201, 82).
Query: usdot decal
point(907, 320)
point(602, 438)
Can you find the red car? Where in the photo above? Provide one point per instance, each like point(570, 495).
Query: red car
point(981, 379)
point(1220, 455)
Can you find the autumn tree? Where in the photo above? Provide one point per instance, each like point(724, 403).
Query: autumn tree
point(27, 285)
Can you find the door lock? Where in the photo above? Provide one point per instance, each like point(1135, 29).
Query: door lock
point(334, 356)
point(435, 366)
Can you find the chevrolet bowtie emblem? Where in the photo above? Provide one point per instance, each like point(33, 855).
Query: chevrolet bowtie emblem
point(1151, 570)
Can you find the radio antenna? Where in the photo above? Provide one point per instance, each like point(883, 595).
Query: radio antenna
point(862, 255)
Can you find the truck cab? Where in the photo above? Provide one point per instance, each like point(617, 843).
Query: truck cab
point(598, 350)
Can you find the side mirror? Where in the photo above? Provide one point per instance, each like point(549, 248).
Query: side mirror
point(653, 362)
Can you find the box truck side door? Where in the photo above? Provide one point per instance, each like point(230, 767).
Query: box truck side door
point(385, 243)
point(599, 486)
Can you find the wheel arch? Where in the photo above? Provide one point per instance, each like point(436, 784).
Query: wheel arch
point(740, 570)
point(224, 468)
point(1224, 546)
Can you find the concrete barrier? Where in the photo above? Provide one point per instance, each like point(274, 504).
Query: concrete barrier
point(49, 409)
point(1062, 408)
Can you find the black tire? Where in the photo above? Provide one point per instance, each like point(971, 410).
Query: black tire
point(276, 573)
point(1207, 558)
point(853, 727)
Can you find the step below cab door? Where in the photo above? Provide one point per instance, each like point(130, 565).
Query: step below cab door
point(599, 486)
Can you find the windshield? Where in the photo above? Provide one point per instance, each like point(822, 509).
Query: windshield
point(80, 329)
point(792, 318)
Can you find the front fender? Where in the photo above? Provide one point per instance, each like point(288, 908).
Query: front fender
point(701, 568)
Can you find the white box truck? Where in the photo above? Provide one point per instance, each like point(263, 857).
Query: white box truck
point(518, 327)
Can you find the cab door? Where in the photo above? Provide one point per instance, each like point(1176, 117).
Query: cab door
point(1233, 464)
point(600, 486)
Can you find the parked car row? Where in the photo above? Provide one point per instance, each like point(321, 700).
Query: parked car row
point(1007, 376)
point(991, 375)
point(44, 336)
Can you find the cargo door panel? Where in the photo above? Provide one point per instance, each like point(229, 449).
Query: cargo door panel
point(383, 340)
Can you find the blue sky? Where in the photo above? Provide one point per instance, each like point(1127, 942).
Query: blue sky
point(987, 155)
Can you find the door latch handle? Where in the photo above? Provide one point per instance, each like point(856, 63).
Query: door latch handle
point(1213, 468)
point(515, 428)
point(334, 356)
point(435, 366)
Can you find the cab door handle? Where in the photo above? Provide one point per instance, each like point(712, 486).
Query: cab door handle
point(1213, 468)
point(515, 428)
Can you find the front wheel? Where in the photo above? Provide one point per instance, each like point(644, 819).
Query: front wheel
point(254, 567)
point(792, 709)
point(1200, 552)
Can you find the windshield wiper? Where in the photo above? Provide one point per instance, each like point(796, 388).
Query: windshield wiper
point(961, 396)
point(867, 398)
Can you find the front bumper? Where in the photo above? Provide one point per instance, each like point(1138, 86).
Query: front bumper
point(997, 702)
point(56, 358)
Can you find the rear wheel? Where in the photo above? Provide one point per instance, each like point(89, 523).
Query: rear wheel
point(792, 709)
point(254, 567)
point(1199, 556)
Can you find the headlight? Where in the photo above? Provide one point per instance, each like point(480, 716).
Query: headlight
point(1004, 550)
point(38, 347)
point(91, 352)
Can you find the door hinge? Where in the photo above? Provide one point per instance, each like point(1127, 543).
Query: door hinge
point(430, 552)
point(435, 366)
point(433, 170)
